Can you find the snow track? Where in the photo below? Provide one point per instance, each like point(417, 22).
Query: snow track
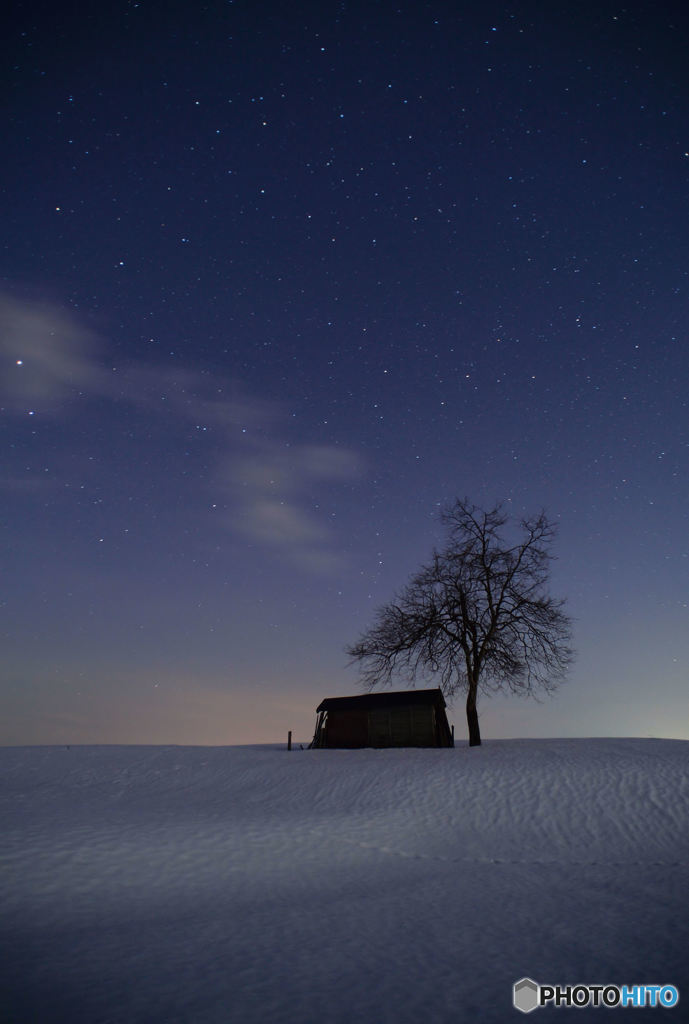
point(172, 884)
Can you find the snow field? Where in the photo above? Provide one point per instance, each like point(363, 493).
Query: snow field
point(191, 884)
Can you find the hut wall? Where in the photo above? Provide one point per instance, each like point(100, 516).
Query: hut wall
point(346, 728)
point(410, 726)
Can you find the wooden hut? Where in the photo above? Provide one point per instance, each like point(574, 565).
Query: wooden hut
point(402, 718)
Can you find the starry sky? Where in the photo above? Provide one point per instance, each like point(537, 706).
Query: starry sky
point(277, 282)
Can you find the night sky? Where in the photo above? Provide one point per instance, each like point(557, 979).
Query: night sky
point(279, 281)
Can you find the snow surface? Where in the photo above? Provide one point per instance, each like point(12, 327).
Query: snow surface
point(222, 884)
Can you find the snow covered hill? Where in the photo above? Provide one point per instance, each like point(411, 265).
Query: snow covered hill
point(154, 885)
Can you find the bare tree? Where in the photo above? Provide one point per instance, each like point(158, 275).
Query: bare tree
point(478, 616)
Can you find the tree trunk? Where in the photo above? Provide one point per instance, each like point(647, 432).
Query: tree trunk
point(472, 718)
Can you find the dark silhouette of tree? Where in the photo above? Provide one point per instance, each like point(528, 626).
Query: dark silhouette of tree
point(477, 617)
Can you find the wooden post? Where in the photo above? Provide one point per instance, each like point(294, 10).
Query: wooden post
point(289, 740)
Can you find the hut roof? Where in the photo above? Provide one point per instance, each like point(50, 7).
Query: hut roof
point(368, 701)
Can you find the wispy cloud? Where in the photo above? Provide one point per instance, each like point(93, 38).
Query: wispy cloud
point(275, 490)
point(46, 356)
point(191, 395)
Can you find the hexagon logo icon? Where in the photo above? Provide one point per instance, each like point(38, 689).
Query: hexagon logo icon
point(525, 995)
